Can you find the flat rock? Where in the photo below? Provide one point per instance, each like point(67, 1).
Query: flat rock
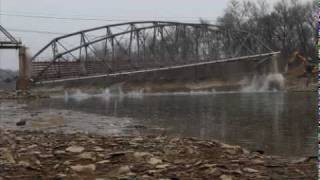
point(75, 149)
point(227, 146)
point(137, 139)
point(84, 168)
point(88, 155)
point(162, 166)
point(24, 164)
point(45, 156)
point(8, 156)
point(250, 170)
point(59, 152)
point(141, 154)
point(257, 162)
point(300, 160)
point(208, 165)
point(154, 161)
point(232, 151)
point(214, 171)
point(124, 170)
point(98, 149)
point(67, 163)
point(104, 162)
point(61, 176)
point(226, 177)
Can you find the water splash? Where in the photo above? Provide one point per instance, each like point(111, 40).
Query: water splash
point(134, 94)
point(106, 94)
point(270, 82)
point(274, 81)
point(77, 96)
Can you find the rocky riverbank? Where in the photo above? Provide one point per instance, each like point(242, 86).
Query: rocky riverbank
point(6, 94)
point(39, 155)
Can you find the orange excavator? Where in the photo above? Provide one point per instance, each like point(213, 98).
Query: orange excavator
point(309, 69)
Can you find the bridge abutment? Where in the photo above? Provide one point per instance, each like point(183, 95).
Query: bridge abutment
point(25, 70)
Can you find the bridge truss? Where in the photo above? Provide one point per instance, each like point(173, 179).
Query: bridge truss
point(141, 46)
point(7, 41)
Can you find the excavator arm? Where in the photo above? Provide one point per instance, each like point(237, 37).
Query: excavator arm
point(304, 61)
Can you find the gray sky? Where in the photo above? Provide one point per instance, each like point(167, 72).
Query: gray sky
point(127, 10)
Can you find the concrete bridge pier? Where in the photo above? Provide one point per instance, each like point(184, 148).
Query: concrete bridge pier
point(25, 70)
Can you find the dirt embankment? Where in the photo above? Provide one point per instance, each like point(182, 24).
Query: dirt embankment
point(38, 155)
point(296, 79)
point(5, 94)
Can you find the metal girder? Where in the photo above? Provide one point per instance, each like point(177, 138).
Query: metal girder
point(10, 42)
point(156, 24)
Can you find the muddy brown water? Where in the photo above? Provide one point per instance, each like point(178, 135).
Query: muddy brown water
point(278, 123)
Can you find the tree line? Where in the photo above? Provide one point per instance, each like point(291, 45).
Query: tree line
point(288, 25)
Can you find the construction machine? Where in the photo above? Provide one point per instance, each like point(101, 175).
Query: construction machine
point(301, 67)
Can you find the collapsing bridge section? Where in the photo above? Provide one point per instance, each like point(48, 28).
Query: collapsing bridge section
point(136, 47)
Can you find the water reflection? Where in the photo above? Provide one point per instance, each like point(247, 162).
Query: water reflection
point(278, 123)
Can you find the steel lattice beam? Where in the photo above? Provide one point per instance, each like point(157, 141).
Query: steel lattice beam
point(144, 45)
point(11, 42)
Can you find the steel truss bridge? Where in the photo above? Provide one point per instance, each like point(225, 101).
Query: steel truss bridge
point(136, 47)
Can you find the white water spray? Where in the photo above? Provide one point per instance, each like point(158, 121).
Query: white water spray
point(273, 81)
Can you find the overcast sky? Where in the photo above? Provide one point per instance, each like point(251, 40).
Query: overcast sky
point(124, 10)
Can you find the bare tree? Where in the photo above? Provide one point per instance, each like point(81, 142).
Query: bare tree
point(288, 26)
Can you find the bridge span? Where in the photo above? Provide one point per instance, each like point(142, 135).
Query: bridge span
point(138, 47)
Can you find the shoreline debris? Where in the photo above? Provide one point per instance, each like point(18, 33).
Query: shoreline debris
point(47, 155)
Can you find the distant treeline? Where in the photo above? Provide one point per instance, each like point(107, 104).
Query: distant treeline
point(288, 25)
point(7, 76)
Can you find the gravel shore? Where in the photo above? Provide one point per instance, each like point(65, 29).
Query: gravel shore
point(39, 155)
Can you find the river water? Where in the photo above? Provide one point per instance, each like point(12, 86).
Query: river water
point(276, 122)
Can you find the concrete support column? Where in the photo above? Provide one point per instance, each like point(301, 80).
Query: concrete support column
point(25, 70)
